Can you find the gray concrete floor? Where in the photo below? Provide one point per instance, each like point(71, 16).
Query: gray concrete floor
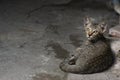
point(34, 41)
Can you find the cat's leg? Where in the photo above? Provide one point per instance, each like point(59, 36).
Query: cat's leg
point(72, 59)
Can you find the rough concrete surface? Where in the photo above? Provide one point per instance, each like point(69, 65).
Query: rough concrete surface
point(34, 40)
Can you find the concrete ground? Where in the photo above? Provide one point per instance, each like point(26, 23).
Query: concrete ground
point(34, 40)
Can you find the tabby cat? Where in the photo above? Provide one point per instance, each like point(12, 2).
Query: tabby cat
point(94, 55)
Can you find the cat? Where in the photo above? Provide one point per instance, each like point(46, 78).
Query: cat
point(94, 55)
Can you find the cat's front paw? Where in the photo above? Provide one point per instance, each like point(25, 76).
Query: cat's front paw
point(63, 64)
point(72, 60)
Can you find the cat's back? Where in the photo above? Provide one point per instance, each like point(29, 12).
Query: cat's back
point(94, 49)
point(93, 56)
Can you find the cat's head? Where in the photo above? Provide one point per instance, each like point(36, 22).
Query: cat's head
point(94, 30)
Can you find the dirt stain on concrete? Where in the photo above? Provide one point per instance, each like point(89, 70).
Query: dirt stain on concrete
point(58, 49)
point(44, 76)
point(26, 30)
point(75, 40)
point(52, 28)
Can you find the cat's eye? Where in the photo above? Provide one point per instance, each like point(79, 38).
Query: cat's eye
point(85, 24)
point(87, 28)
point(95, 31)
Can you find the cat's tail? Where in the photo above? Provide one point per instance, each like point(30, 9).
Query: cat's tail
point(64, 66)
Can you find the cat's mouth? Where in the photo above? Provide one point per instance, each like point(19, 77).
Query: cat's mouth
point(90, 34)
point(92, 37)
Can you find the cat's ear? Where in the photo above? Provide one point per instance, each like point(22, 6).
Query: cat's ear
point(103, 27)
point(87, 20)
